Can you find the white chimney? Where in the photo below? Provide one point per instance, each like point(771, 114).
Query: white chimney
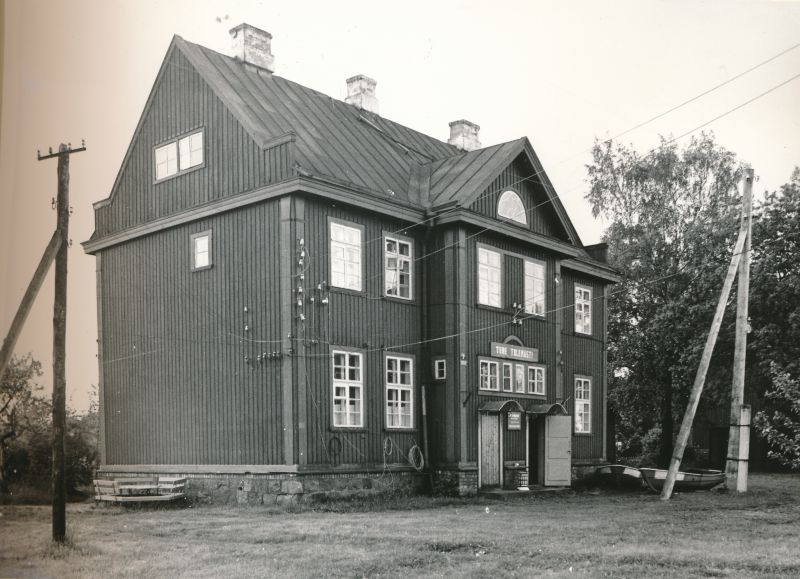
point(464, 135)
point(251, 45)
point(361, 93)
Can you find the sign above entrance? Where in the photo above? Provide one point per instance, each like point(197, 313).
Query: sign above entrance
point(514, 352)
point(515, 420)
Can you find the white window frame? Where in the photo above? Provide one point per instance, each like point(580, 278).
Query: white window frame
point(346, 255)
point(508, 377)
point(490, 291)
point(583, 309)
point(537, 379)
point(583, 405)
point(179, 155)
point(440, 369)
point(510, 206)
point(195, 239)
point(353, 405)
point(535, 284)
point(488, 381)
point(395, 270)
point(520, 378)
point(398, 409)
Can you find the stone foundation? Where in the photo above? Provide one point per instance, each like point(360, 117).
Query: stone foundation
point(287, 489)
point(461, 483)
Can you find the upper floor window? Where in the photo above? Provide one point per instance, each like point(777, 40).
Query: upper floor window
point(583, 309)
point(179, 155)
point(583, 405)
point(345, 256)
point(511, 207)
point(399, 392)
point(488, 375)
point(201, 250)
point(397, 267)
point(489, 277)
point(348, 389)
point(534, 288)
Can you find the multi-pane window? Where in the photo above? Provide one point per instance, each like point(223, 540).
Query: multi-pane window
point(345, 256)
point(440, 370)
point(534, 288)
point(583, 405)
point(397, 267)
point(511, 207)
point(399, 392)
point(180, 155)
point(489, 277)
point(583, 309)
point(201, 250)
point(508, 379)
point(348, 389)
point(536, 382)
point(488, 375)
point(519, 378)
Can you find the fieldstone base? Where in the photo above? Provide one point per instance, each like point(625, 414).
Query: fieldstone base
point(461, 483)
point(284, 490)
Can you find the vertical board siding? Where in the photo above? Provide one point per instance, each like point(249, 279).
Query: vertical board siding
point(178, 386)
point(366, 322)
point(233, 162)
point(584, 355)
point(521, 177)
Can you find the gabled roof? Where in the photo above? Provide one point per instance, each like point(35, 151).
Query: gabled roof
point(333, 138)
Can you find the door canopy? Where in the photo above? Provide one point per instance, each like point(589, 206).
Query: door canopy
point(500, 406)
point(539, 408)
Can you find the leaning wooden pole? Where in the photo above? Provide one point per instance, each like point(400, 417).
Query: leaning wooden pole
point(27, 300)
point(736, 467)
point(59, 350)
point(700, 378)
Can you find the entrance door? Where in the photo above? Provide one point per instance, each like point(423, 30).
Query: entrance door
point(490, 450)
point(558, 451)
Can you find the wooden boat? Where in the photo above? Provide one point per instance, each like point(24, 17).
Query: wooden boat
point(691, 479)
point(619, 475)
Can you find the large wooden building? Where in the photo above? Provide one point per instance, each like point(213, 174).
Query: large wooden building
point(294, 290)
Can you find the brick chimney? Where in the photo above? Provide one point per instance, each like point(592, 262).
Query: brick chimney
point(361, 93)
point(464, 135)
point(251, 45)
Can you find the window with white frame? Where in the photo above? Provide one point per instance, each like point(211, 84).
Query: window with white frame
point(399, 392)
point(179, 155)
point(534, 288)
point(536, 380)
point(510, 206)
point(348, 389)
point(490, 271)
point(519, 378)
point(508, 379)
point(345, 256)
point(397, 267)
point(583, 405)
point(583, 309)
point(440, 369)
point(488, 375)
point(201, 250)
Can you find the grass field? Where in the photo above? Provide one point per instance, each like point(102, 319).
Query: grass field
point(595, 534)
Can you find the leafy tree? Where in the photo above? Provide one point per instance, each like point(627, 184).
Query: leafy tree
point(673, 217)
point(775, 313)
point(22, 412)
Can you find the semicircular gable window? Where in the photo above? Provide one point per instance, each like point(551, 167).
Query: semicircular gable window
point(510, 206)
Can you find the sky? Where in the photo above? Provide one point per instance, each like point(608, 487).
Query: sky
point(561, 73)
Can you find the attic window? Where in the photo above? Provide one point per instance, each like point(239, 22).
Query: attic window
point(179, 155)
point(510, 206)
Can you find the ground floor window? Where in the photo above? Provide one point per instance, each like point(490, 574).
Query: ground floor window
point(348, 388)
point(399, 392)
point(488, 371)
point(511, 377)
point(583, 405)
point(536, 382)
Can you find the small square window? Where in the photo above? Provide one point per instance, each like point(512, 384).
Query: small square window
point(201, 250)
point(440, 370)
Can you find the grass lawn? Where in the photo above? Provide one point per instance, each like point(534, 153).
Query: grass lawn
point(596, 534)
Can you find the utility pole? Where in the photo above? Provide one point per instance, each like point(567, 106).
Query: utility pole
point(60, 340)
point(736, 468)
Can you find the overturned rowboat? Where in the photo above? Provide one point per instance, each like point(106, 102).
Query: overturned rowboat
point(620, 476)
point(694, 479)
